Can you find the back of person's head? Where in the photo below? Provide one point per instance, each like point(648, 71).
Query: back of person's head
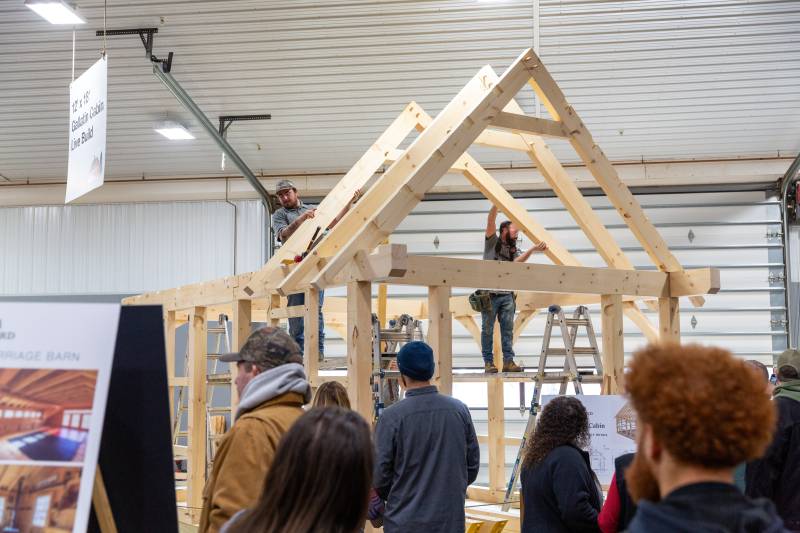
point(788, 366)
point(760, 368)
point(700, 406)
point(563, 420)
point(320, 477)
point(331, 394)
point(415, 361)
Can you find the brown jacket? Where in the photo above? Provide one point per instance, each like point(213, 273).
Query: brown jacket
point(244, 457)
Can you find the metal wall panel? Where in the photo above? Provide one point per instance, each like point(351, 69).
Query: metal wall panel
point(126, 248)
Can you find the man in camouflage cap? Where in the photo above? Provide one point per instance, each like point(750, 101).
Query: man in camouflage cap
point(272, 390)
point(285, 221)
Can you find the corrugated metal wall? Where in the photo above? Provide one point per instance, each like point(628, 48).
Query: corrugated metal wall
point(126, 248)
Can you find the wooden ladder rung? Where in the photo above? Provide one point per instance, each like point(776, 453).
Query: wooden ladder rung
point(583, 350)
point(219, 379)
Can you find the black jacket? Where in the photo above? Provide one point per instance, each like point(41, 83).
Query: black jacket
point(706, 508)
point(626, 506)
point(777, 475)
point(559, 494)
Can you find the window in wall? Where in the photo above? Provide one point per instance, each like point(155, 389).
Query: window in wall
point(2, 509)
point(8, 413)
point(65, 420)
point(40, 511)
point(85, 421)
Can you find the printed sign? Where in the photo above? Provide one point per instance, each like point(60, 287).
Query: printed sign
point(612, 427)
point(55, 366)
point(87, 131)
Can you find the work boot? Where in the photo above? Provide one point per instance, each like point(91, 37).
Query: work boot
point(489, 368)
point(511, 366)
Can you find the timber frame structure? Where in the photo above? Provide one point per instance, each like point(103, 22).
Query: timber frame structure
point(354, 254)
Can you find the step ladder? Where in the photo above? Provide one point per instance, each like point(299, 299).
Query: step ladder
point(215, 421)
point(569, 334)
point(385, 345)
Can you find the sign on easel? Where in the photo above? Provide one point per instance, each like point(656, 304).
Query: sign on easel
point(87, 131)
point(55, 368)
point(612, 428)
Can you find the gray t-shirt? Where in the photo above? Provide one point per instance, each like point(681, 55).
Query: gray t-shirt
point(491, 252)
point(283, 216)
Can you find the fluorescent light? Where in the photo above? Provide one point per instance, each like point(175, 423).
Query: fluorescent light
point(173, 131)
point(55, 11)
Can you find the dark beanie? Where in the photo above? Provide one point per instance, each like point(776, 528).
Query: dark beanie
point(415, 360)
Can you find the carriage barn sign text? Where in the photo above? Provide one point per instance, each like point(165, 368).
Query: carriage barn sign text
point(87, 131)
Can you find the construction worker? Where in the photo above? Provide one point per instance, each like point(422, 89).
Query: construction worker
point(501, 306)
point(285, 221)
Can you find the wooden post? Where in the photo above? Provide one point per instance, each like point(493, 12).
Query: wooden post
point(382, 297)
point(311, 333)
point(102, 506)
point(170, 325)
point(497, 347)
point(613, 347)
point(196, 434)
point(359, 346)
point(669, 323)
point(440, 336)
point(496, 434)
point(274, 303)
point(242, 326)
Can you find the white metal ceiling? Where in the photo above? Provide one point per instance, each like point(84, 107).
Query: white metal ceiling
point(653, 79)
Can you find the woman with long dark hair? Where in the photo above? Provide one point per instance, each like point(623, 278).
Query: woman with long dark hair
point(320, 479)
point(560, 493)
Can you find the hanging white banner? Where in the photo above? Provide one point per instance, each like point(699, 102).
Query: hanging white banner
point(87, 131)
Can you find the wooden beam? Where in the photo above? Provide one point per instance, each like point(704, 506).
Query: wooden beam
point(508, 275)
point(356, 178)
point(632, 311)
point(382, 304)
point(694, 282)
point(196, 431)
point(521, 123)
point(170, 327)
point(613, 347)
point(311, 334)
point(496, 431)
point(669, 324)
point(426, 160)
point(359, 347)
point(274, 303)
point(604, 172)
point(242, 327)
point(440, 336)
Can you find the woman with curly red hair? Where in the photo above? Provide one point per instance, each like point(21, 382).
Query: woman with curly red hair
point(700, 412)
point(560, 493)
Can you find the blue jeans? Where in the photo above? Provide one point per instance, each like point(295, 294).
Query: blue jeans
point(296, 324)
point(503, 309)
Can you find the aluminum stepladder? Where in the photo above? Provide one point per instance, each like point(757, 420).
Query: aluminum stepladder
point(569, 334)
point(214, 379)
point(385, 345)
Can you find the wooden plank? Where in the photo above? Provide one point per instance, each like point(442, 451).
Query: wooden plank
point(669, 324)
point(521, 123)
point(604, 172)
point(274, 303)
point(533, 277)
point(356, 178)
point(102, 505)
point(170, 326)
point(694, 282)
point(426, 160)
point(196, 431)
point(440, 336)
point(359, 346)
point(382, 297)
point(242, 326)
point(311, 334)
point(613, 348)
point(496, 430)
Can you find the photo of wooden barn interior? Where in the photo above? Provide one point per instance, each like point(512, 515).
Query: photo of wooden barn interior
point(44, 414)
point(38, 498)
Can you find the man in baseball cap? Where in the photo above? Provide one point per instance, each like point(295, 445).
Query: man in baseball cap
point(272, 390)
point(777, 474)
point(285, 221)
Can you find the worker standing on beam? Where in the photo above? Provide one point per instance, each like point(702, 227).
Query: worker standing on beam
point(501, 305)
point(285, 222)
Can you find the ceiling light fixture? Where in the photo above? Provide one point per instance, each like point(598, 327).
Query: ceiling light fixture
point(55, 11)
point(173, 131)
